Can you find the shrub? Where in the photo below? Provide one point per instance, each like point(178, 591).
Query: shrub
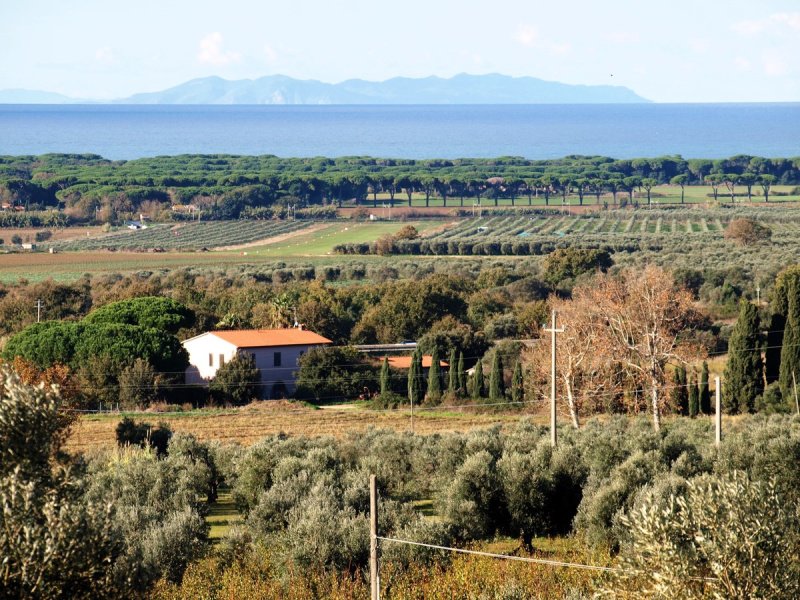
point(132, 433)
point(746, 232)
point(238, 381)
point(745, 547)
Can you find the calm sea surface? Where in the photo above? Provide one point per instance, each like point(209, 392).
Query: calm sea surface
point(532, 131)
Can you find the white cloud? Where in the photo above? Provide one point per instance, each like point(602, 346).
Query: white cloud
point(212, 53)
point(527, 35)
point(270, 53)
point(105, 56)
point(773, 22)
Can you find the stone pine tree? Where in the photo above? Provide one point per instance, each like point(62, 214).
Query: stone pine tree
point(497, 386)
point(693, 394)
point(462, 375)
point(386, 381)
point(744, 373)
point(477, 381)
point(790, 352)
point(434, 378)
point(517, 384)
point(452, 384)
point(705, 394)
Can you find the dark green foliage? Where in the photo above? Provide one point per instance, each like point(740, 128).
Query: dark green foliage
point(238, 381)
point(138, 385)
point(139, 433)
point(148, 311)
point(497, 388)
point(418, 381)
point(74, 344)
point(452, 379)
point(517, 384)
point(744, 371)
point(694, 397)
point(386, 382)
point(462, 375)
point(568, 263)
point(705, 393)
point(680, 390)
point(772, 401)
point(339, 373)
point(478, 384)
point(790, 351)
point(434, 394)
point(772, 353)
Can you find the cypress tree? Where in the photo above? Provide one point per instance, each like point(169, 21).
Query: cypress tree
point(744, 372)
point(680, 393)
point(434, 378)
point(694, 397)
point(419, 375)
point(462, 375)
point(790, 353)
point(452, 386)
point(772, 354)
point(477, 381)
point(705, 394)
point(517, 384)
point(386, 383)
point(412, 378)
point(496, 382)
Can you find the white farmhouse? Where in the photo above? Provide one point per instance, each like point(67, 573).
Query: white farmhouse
point(276, 352)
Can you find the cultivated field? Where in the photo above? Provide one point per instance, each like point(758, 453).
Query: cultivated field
point(252, 423)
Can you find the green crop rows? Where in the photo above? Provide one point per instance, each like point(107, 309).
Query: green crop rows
point(188, 236)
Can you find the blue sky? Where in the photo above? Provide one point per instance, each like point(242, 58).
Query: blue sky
point(678, 51)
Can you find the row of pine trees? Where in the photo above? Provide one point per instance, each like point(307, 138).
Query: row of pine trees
point(456, 383)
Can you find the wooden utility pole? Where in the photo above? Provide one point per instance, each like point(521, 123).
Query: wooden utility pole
point(718, 418)
point(374, 577)
point(553, 331)
point(794, 385)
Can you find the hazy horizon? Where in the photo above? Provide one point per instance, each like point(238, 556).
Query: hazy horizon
point(686, 52)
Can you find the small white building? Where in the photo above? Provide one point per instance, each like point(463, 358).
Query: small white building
point(276, 352)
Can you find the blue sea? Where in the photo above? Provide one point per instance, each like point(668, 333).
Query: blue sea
point(530, 131)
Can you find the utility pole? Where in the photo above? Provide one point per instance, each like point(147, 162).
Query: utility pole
point(553, 331)
point(718, 394)
point(758, 295)
point(38, 311)
point(796, 403)
point(374, 576)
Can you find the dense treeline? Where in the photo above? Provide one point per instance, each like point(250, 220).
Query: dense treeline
point(224, 186)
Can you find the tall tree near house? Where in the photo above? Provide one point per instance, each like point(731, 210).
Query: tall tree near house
point(477, 381)
point(744, 372)
point(497, 391)
point(645, 315)
point(434, 378)
point(452, 384)
point(386, 382)
point(704, 392)
point(790, 353)
point(462, 375)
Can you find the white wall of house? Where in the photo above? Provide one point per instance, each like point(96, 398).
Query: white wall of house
point(277, 364)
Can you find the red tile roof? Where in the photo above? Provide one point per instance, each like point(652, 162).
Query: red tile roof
point(263, 338)
point(404, 362)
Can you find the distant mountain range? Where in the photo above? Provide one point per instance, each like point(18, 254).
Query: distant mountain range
point(280, 89)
